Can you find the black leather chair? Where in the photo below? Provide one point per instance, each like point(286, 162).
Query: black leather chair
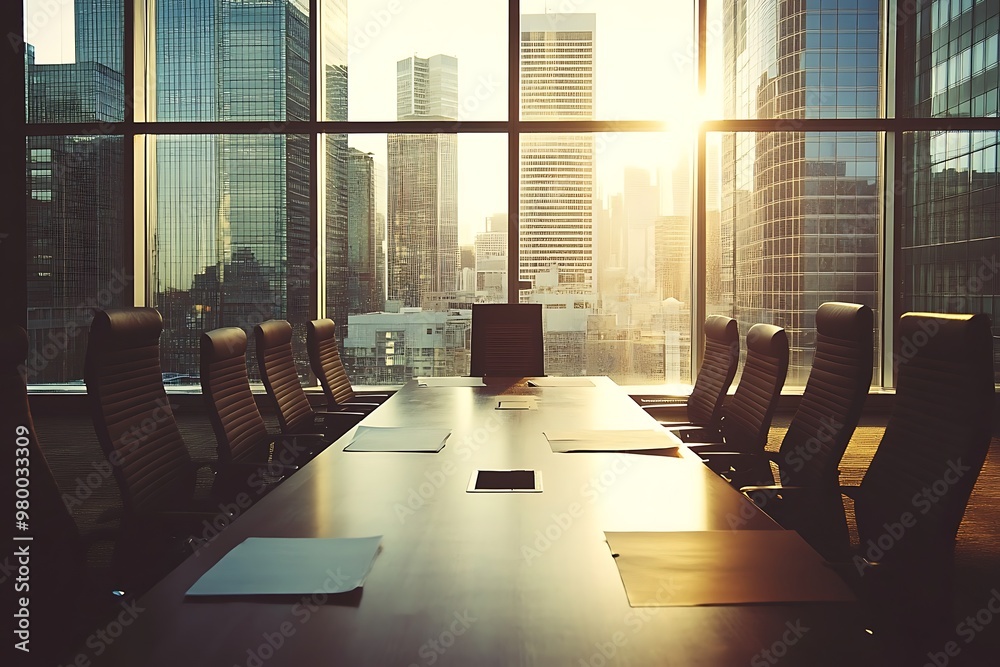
point(747, 418)
point(507, 340)
point(828, 411)
point(324, 359)
point(281, 381)
point(704, 406)
point(136, 429)
point(240, 432)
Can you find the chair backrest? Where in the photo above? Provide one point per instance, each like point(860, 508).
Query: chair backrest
point(225, 386)
point(280, 377)
point(132, 415)
point(507, 340)
point(834, 396)
point(748, 416)
point(324, 359)
point(937, 436)
point(722, 357)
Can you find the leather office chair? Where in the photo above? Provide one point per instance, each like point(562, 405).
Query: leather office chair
point(281, 381)
point(324, 359)
point(828, 411)
point(136, 430)
point(747, 418)
point(722, 357)
point(240, 432)
point(507, 340)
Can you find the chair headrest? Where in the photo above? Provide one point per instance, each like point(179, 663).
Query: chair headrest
point(944, 336)
point(272, 333)
point(224, 343)
point(767, 339)
point(324, 328)
point(720, 327)
point(844, 320)
point(13, 347)
point(123, 328)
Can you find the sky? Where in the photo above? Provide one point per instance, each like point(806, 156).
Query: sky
point(644, 71)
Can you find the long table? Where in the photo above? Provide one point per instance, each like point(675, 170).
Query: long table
point(484, 578)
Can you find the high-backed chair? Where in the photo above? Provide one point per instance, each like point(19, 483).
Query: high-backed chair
point(828, 411)
point(324, 359)
point(136, 429)
point(507, 340)
point(722, 357)
point(937, 436)
point(281, 381)
point(240, 432)
point(747, 418)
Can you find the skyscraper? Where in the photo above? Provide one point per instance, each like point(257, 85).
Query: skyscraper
point(800, 209)
point(422, 240)
point(362, 235)
point(557, 175)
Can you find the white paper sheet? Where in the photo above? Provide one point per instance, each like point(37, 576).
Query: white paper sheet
point(451, 382)
point(560, 382)
point(611, 441)
point(517, 403)
point(398, 439)
point(290, 566)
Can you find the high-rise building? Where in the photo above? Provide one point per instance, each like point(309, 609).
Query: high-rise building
point(642, 206)
point(949, 57)
point(422, 236)
point(557, 174)
point(362, 234)
point(491, 261)
point(800, 208)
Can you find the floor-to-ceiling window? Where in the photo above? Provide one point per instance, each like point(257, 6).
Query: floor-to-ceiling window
point(633, 166)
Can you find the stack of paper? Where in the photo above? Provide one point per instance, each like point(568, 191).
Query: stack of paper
point(613, 441)
point(397, 439)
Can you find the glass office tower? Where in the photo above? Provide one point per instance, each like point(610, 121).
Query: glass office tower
point(948, 236)
point(800, 211)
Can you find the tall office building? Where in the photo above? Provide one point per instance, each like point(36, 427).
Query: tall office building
point(557, 174)
point(75, 206)
point(642, 206)
point(800, 209)
point(422, 240)
point(949, 237)
point(491, 261)
point(362, 234)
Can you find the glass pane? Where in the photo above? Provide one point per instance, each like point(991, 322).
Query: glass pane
point(435, 59)
point(605, 242)
point(229, 237)
point(799, 226)
point(427, 238)
point(948, 60)
point(950, 237)
point(76, 258)
point(771, 59)
point(231, 61)
point(73, 61)
point(607, 59)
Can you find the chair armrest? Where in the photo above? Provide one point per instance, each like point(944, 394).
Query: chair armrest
point(370, 398)
point(212, 464)
point(358, 406)
point(725, 461)
point(670, 413)
point(709, 447)
point(698, 435)
point(776, 490)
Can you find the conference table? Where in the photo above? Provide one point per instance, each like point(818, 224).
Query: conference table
point(485, 578)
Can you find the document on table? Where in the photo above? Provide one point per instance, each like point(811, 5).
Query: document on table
point(398, 439)
point(612, 441)
point(683, 569)
point(290, 566)
point(451, 382)
point(559, 382)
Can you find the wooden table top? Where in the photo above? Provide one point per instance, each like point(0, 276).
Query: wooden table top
point(484, 578)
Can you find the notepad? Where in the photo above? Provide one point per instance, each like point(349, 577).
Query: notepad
point(290, 566)
point(722, 567)
point(612, 441)
point(397, 439)
point(451, 382)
